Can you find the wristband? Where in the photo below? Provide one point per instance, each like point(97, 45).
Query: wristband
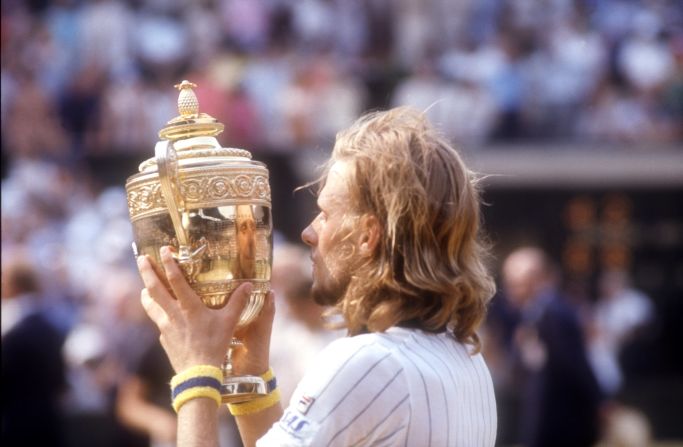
point(260, 403)
point(194, 382)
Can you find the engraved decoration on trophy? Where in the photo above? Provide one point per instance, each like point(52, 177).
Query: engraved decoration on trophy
point(212, 204)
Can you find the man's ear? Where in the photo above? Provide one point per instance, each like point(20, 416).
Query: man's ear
point(370, 233)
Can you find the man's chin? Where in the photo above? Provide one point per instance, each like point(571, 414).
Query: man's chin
point(325, 296)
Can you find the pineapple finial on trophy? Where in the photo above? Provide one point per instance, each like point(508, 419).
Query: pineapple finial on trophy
point(188, 105)
point(190, 123)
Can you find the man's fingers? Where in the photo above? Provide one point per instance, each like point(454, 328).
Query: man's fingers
point(263, 324)
point(256, 338)
point(265, 318)
point(269, 306)
point(181, 289)
point(236, 303)
point(154, 286)
point(153, 309)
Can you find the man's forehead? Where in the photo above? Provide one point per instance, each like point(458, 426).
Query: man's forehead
point(336, 184)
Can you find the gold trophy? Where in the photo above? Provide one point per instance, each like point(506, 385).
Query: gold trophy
point(213, 205)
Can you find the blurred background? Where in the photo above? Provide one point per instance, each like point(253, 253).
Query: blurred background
point(572, 111)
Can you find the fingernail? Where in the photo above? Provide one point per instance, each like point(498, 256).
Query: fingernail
point(140, 260)
point(165, 251)
point(250, 287)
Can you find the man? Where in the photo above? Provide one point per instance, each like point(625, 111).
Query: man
point(33, 371)
point(560, 396)
point(396, 251)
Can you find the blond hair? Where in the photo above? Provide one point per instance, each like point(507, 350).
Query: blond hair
point(428, 270)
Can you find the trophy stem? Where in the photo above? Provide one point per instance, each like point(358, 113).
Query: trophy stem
point(238, 388)
point(227, 362)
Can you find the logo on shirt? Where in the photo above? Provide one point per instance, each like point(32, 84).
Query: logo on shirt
point(296, 429)
point(304, 404)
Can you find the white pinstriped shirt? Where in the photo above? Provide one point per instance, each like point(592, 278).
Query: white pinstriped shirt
point(404, 387)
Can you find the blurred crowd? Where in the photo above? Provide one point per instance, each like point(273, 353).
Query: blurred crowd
point(84, 79)
point(90, 77)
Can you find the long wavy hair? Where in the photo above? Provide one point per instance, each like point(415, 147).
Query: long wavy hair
point(429, 268)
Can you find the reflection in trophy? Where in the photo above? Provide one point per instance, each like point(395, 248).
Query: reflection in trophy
point(213, 205)
point(245, 227)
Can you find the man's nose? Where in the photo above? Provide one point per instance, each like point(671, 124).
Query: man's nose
point(309, 236)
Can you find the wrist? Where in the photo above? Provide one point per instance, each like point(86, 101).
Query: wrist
point(254, 370)
point(241, 366)
point(206, 360)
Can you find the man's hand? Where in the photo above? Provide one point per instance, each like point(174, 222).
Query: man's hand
point(253, 357)
point(191, 333)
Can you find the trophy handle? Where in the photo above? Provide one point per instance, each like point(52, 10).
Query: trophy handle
point(167, 165)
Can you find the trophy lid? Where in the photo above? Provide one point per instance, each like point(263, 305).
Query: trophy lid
point(190, 123)
point(190, 170)
point(192, 132)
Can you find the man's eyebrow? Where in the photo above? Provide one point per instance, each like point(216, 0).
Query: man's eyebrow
point(321, 202)
point(326, 202)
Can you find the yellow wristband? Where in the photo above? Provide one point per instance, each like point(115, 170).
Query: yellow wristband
point(197, 371)
point(194, 393)
point(195, 382)
point(256, 405)
point(260, 403)
point(268, 375)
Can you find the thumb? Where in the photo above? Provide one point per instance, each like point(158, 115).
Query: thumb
point(236, 303)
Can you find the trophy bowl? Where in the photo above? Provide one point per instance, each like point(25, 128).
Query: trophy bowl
point(213, 205)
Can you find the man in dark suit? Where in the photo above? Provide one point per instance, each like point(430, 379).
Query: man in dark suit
point(33, 372)
point(560, 396)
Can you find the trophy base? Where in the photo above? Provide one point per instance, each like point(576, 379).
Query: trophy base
point(236, 389)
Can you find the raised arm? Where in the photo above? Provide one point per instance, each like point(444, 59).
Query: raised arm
point(254, 360)
point(192, 334)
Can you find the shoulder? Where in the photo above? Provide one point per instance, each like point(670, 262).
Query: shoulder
point(361, 347)
point(35, 330)
point(352, 361)
point(355, 392)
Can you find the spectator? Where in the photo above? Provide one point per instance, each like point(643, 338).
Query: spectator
point(32, 122)
point(33, 373)
point(105, 36)
point(620, 313)
point(561, 398)
point(645, 58)
point(143, 402)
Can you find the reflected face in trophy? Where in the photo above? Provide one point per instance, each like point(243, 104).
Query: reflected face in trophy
point(246, 241)
point(325, 236)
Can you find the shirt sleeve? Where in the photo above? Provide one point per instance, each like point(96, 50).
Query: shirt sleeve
point(355, 394)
